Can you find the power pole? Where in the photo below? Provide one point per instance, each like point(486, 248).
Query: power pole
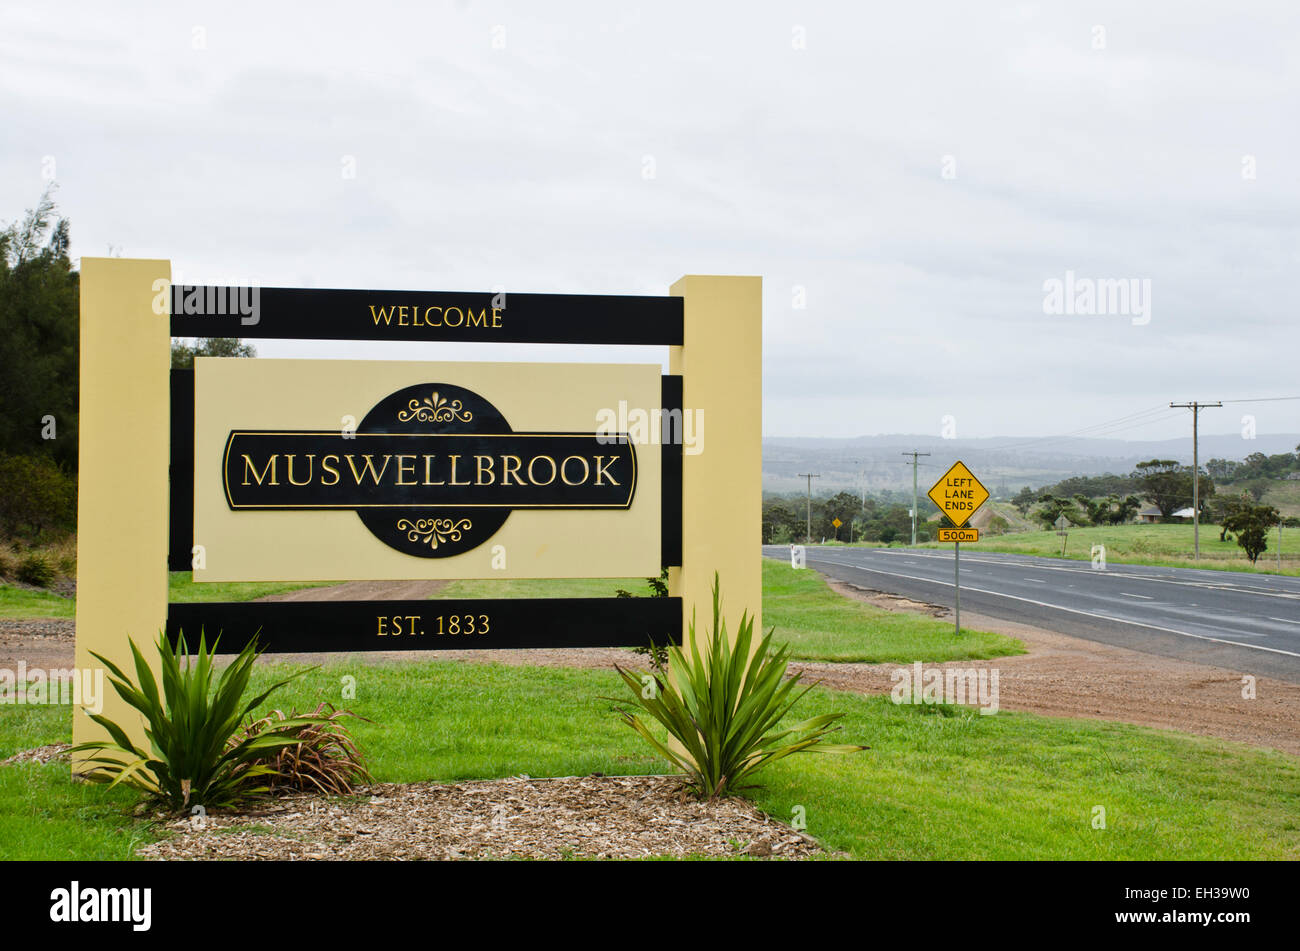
point(1196, 408)
point(810, 476)
point(914, 454)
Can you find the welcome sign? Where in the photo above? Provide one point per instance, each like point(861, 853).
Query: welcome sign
point(358, 470)
point(341, 470)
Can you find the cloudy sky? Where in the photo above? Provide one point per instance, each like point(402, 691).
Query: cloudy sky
point(905, 177)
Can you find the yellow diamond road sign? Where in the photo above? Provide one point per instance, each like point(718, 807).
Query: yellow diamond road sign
point(958, 494)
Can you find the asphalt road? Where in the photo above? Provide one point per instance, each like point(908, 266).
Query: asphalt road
point(1243, 622)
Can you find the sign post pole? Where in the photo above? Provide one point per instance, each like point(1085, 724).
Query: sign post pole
point(721, 363)
point(956, 583)
point(958, 494)
point(122, 494)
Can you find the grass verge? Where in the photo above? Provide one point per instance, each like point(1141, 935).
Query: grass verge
point(822, 625)
point(938, 782)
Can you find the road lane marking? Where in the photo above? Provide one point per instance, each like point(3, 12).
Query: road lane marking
point(1130, 594)
point(1215, 585)
point(1059, 607)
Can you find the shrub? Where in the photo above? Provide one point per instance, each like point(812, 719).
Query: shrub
point(195, 759)
point(657, 654)
point(725, 708)
point(35, 568)
point(8, 564)
point(324, 757)
point(37, 498)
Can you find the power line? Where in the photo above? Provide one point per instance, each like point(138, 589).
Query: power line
point(1085, 431)
point(1265, 399)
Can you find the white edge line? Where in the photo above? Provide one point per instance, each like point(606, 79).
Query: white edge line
point(1057, 607)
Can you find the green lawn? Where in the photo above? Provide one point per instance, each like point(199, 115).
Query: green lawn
point(1146, 545)
point(25, 603)
point(20, 603)
point(821, 625)
point(818, 623)
point(937, 783)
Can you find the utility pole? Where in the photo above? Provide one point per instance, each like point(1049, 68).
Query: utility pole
point(1196, 408)
point(914, 454)
point(810, 476)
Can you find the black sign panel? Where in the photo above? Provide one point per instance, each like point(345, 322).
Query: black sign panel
point(430, 625)
point(433, 470)
point(321, 314)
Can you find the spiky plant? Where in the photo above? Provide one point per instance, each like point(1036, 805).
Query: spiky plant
point(725, 708)
point(190, 725)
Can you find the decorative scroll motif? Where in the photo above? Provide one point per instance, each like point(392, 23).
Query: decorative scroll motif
point(435, 409)
point(434, 531)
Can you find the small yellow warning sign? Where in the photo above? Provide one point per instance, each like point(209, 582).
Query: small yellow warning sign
point(958, 494)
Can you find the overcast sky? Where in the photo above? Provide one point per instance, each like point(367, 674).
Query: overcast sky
point(916, 172)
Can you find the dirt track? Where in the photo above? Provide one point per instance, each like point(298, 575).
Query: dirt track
point(1060, 676)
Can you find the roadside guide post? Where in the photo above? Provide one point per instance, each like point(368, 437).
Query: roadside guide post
point(958, 494)
point(1063, 529)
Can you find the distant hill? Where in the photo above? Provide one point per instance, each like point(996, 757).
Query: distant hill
point(876, 463)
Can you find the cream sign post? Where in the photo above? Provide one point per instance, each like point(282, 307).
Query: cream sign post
point(329, 470)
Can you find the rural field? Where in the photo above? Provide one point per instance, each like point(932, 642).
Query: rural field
point(1135, 545)
point(938, 782)
point(1150, 545)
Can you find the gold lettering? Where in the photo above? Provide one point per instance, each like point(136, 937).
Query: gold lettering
point(602, 470)
point(496, 317)
point(508, 470)
point(403, 468)
point(484, 470)
point(432, 323)
point(385, 315)
point(460, 317)
point(453, 458)
point(533, 478)
point(401, 315)
point(270, 467)
point(289, 464)
point(428, 470)
point(325, 464)
point(368, 467)
point(564, 469)
point(477, 321)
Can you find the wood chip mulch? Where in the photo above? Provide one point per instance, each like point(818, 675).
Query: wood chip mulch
point(41, 754)
point(617, 817)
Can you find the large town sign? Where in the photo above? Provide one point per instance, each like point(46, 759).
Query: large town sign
point(338, 470)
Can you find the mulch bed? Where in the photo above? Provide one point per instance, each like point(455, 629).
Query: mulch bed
point(41, 754)
point(610, 817)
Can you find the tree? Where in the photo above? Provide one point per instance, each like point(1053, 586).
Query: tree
point(183, 354)
point(1168, 484)
point(1024, 500)
point(844, 506)
point(1053, 507)
point(1223, 508)
point(39, 331)
point(1250, 523)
